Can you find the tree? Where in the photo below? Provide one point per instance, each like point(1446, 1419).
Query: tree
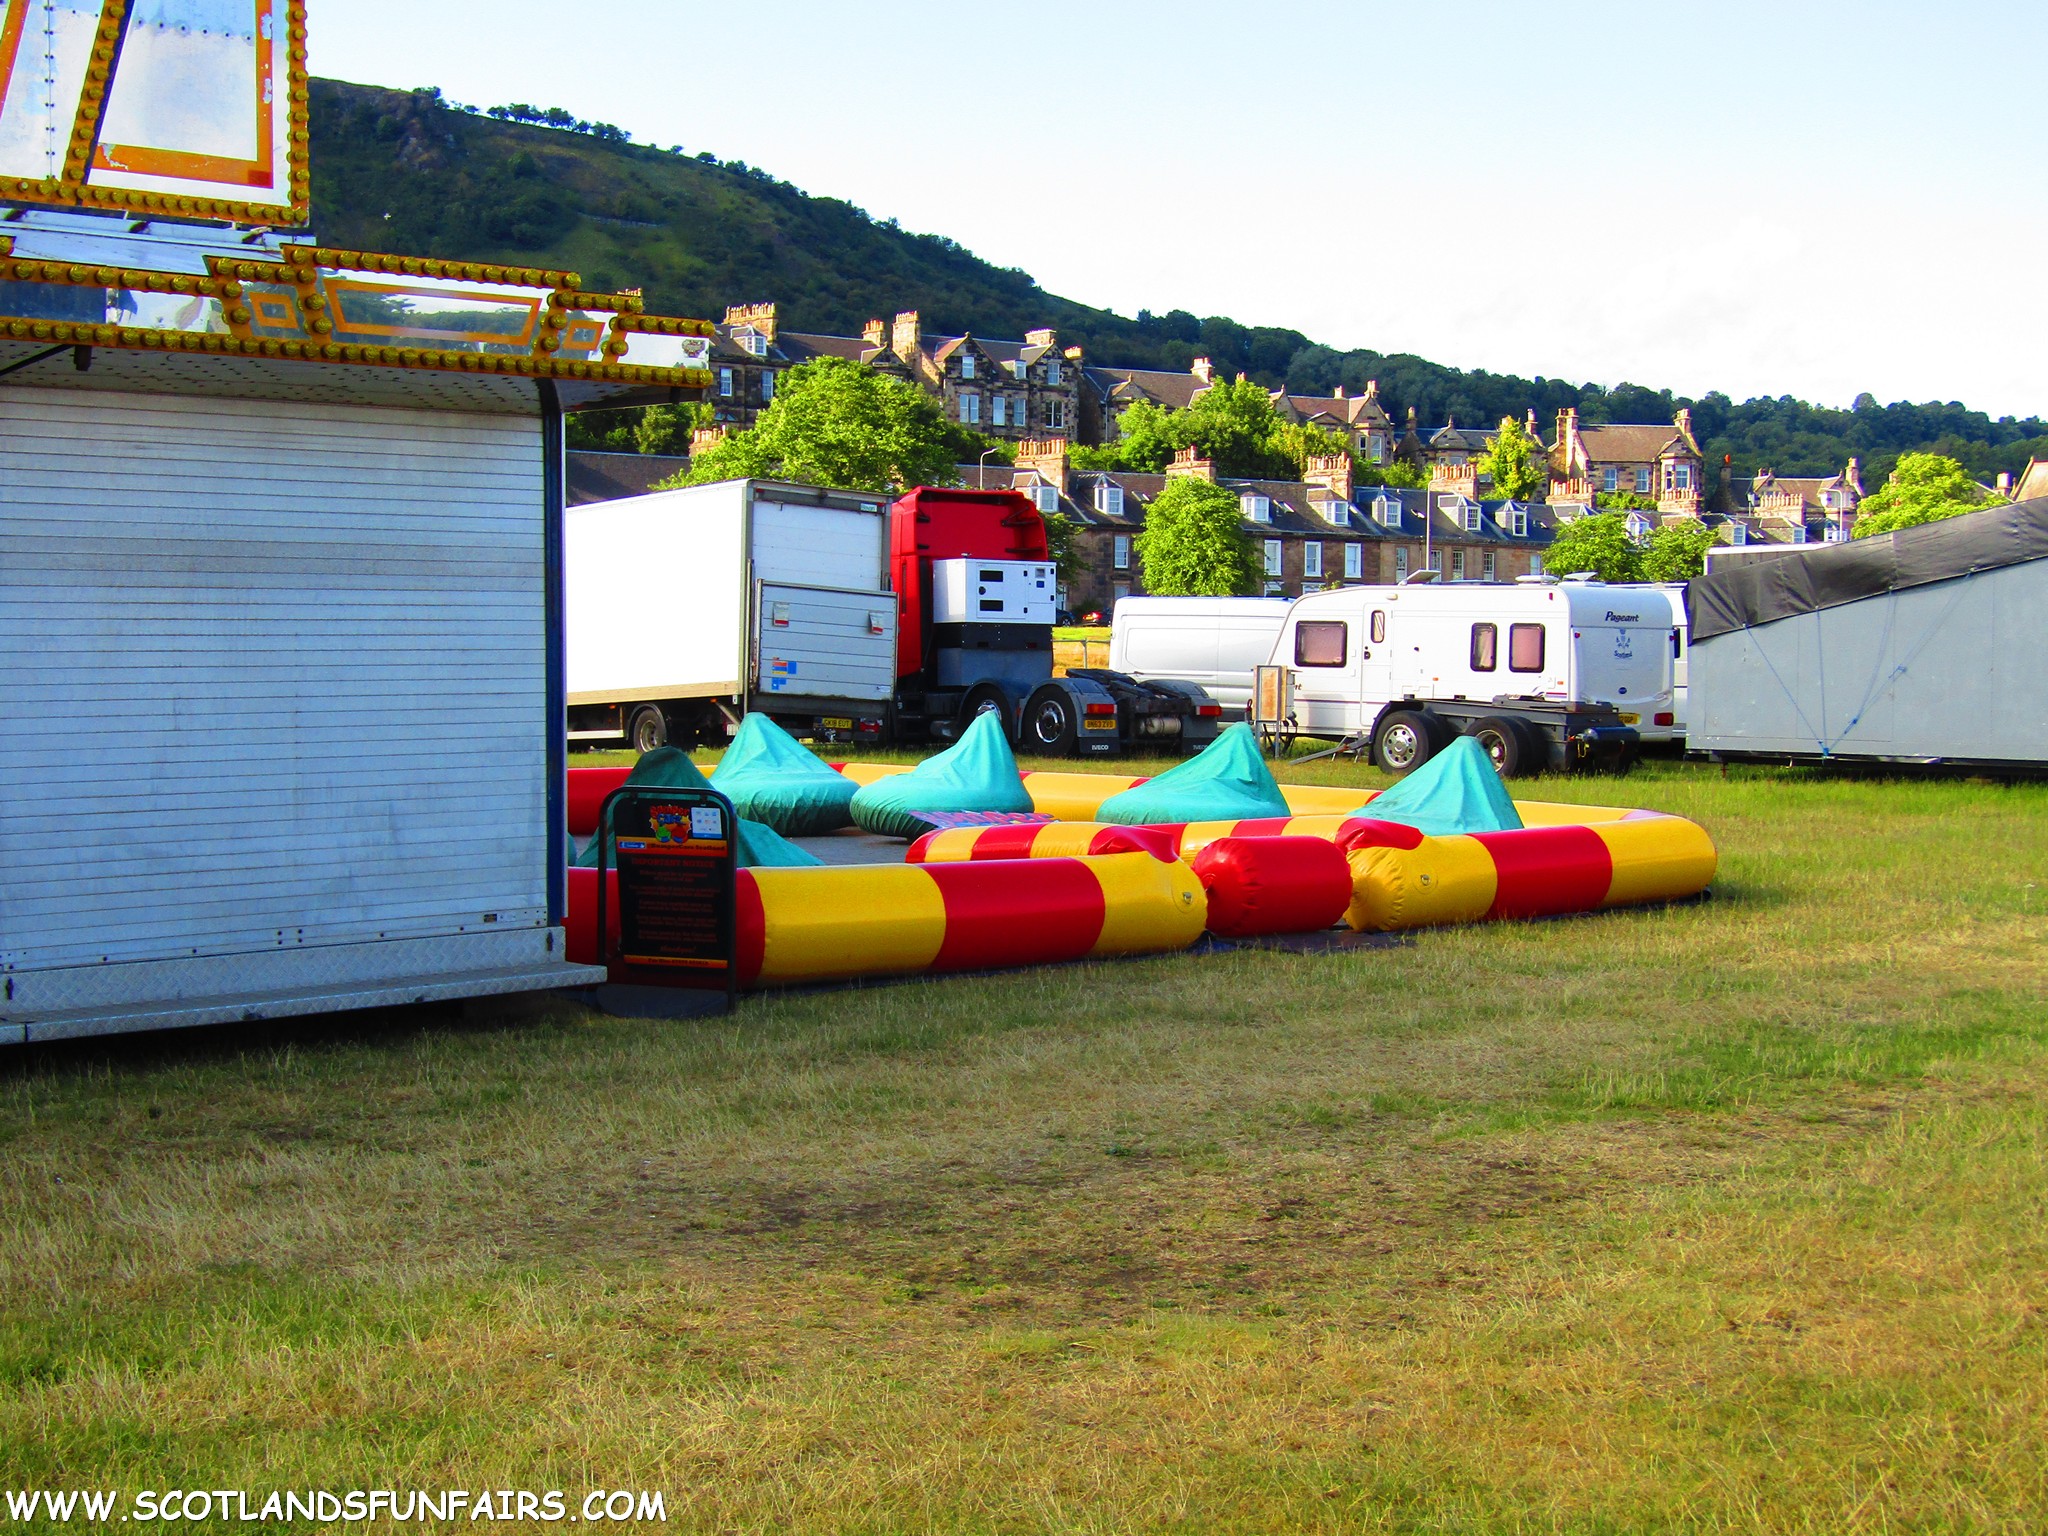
point(1623, 501)
point(1600, 544)
point(1235, 426)
point(1194, 543)
point(1925, 488)
point(834, 422)
point(1514, 462)
point(1398, 473)
point(1678, 551)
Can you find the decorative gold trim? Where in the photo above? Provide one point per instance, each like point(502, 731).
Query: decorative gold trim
point(80, 275)
point(78, 333)
point(92, 91)
point(420, 266)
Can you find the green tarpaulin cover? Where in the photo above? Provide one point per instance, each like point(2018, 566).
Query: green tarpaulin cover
point(755, 846)
point(1455, 791)
point(771, 778)
point(976, 773)
point(1226, 781)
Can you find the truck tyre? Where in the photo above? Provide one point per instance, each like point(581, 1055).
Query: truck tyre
point(648, 730)
point(1508, 742)
point(1049, 725)
point(1405, 741)
point(987, 699)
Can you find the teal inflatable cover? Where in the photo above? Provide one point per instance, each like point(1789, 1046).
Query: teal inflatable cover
point(1455, 791)
point(976, 773)
point(771, 778)
point(1226, 781)
point(755, 847)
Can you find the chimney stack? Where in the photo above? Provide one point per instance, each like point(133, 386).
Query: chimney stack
point(1568, 447)
point(906, 337)
point(873, 332)
point(1332, 472)
point(1039, 338)
point(760, 317)
point(1338, 393)
point(1203, 370)
point(1045, 457)
point(1187, 465)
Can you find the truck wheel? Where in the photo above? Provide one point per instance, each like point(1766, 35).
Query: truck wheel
point(1507, 743)
point(986, 701)
point(648, 730)
point(1049, 725)
point(1404, 743)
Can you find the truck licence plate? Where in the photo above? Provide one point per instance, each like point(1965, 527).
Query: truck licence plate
point(1099, 723)
point(1631, 719)
point(836, 723)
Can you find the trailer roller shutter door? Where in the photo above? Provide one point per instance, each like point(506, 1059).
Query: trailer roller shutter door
point(274, 679)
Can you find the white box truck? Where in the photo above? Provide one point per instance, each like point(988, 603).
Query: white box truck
point(1545, 674)
point(684, 607)
point(842, 615)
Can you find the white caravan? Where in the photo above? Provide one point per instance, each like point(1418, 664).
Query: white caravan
point(1654, 728)
point(1544, 674)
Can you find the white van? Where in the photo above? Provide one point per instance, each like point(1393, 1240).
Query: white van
point(1214, 641)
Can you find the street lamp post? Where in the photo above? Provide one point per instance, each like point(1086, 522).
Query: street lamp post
point(981, 467)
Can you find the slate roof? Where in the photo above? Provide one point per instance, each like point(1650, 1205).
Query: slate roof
point(1630, 444)
point(594, 476)
point(1176, 391)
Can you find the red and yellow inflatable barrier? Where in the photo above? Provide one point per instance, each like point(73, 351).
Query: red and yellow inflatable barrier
point(1401, 879)
point(828, 924)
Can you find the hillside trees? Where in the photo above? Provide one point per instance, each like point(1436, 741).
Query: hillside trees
point(1194, 543)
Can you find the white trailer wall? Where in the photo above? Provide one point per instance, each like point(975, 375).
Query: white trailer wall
point(1952, 670)
point(273, 698)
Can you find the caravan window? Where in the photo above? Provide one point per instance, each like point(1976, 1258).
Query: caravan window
point(1677, 645)
point(1525, 647)
point(1320, 642)
point(1379, 626)
point(1485, 647)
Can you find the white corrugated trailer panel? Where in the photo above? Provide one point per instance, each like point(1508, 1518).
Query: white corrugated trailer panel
point(811, 546)
point(274, 676)
point(1949, 670)
point(822, 642)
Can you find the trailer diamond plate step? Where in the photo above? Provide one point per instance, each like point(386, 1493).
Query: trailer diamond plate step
point(286, 1002)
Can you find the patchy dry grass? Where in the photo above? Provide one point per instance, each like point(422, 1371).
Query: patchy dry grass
point(1717, 1218)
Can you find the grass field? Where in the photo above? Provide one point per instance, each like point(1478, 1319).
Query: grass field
point(1730, 1217)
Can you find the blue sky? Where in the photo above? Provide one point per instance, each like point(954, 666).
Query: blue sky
point(1795, 198)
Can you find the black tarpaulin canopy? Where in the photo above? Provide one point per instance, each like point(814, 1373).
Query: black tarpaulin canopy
point(1763, 591)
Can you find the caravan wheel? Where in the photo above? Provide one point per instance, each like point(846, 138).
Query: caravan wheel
point(1405, 742)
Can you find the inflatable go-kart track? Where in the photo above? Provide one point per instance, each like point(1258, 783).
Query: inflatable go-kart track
point(963, 863)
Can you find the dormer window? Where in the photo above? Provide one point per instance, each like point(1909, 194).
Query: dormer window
point(1835, 534)
point(1518, 520)
point(1016, 366)
point(1387, 509)
point(1052, 372)
point(1046, 497)
point(1738, 534)
point(967, 365)
point(1109, 499)
point(1799, 533)
point(1338, 513)
point(1256, 507)
point(1471, 517)
point(752, 342)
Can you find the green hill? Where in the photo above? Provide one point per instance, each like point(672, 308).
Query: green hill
point(407, 171)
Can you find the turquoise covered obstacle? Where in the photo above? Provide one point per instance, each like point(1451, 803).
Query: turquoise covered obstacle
point(755, 847)
point(1456, 791)
point(976, 773)
point(773, 779)
point(1226, 781)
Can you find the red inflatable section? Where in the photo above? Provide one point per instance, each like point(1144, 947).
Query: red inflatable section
point(1273, 885)
point(587, 789)
point(1023, 912)
point(1548, 871)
